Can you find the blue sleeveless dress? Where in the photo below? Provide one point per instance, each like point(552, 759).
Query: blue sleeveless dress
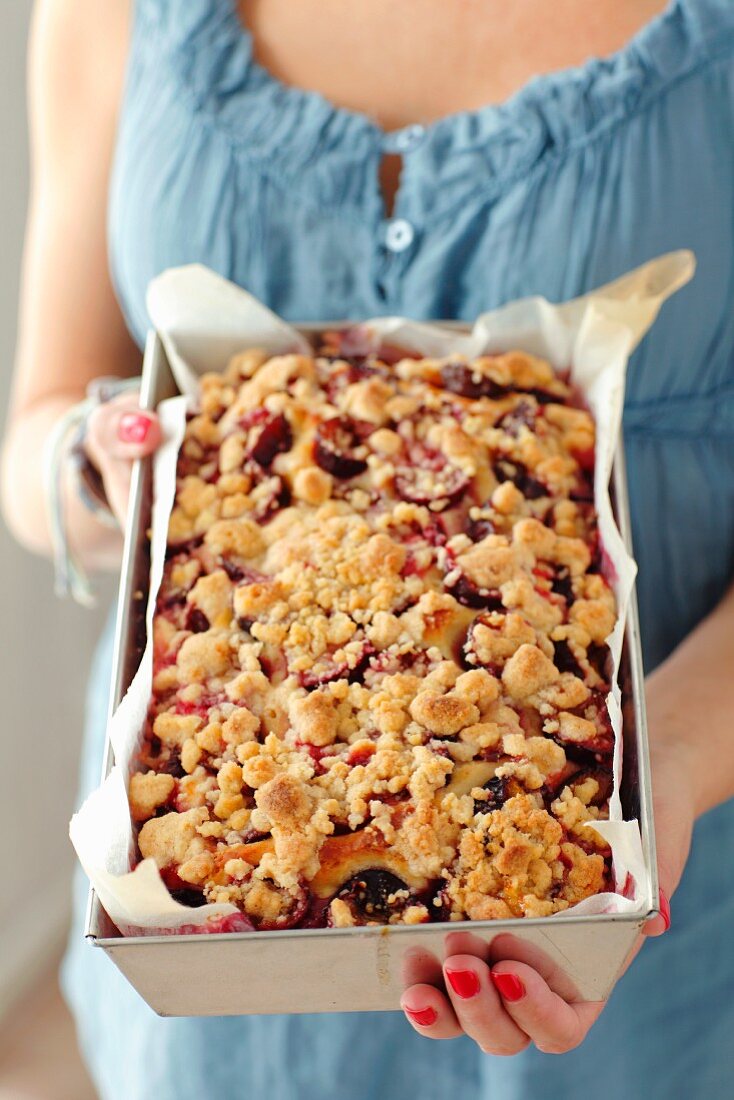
point(582, 175)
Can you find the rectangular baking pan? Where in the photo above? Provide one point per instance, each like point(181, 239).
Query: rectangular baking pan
point(348, 969)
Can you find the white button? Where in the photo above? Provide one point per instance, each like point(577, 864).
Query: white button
point(399, 235)
point(409, 137)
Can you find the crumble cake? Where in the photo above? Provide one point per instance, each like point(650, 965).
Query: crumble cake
point(380, 662)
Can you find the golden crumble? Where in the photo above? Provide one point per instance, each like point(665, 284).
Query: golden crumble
point(380, 645)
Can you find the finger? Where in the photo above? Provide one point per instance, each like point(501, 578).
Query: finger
point(507, 946)
point(116, 475)
point(121, 429)
point(660, 923)
point(421, 967)
point(429, 1012)
point(554, 1025)
point(465, 943)
point(478, 1007)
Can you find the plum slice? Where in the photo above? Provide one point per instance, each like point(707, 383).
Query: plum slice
point(499, 789)
point(597, 746)
point(193, 899)
point(517, 473)
point(427, 478)
point(234, 922)
point(523, 415)
point(461, 379)
point(196, 621)
point(316, 915)
point(574, 772)
point(468, 594)
point(326, 670)
point(464, 380)
point(470, 656)
point(564, 659)
point(295, 910)
point(478, 528)
point(368, 896)
point(387, 663)
point(274, 436)
point(583, 493)
point(335, 446)
point(273, 494)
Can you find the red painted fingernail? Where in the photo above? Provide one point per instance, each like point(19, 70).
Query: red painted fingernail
point(508, 986)
point(664, 909)
point(465, 983)
point(133, 428)
point(423, 1016)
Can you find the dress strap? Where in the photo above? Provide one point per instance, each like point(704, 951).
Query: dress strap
point(182, 21)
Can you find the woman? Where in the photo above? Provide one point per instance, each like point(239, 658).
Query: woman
point(350, 160)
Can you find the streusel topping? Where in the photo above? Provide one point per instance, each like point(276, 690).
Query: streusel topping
point(380, 667)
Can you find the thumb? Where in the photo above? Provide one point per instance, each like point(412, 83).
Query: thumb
point(133, 433)
point(120, 429)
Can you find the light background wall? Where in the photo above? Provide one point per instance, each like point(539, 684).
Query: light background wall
point(45, 645)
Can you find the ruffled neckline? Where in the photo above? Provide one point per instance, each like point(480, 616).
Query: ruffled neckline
point(289, 129)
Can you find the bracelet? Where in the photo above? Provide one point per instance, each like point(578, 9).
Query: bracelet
point(65, 444)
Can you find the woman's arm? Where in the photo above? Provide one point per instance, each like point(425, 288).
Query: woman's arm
point(507, 995)
point(690, 705)
point(70, 328)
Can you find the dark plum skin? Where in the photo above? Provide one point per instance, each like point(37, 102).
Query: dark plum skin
point(564, 659)
point(601, 745)
point(478, 529)
point(584, 491)
point(414, 479)
point(274, 437)
point(172, 766)
point(387, 664)
point(515, 472)
point(562, 585)
point(367, 895)
point(196, 621)
point(174, 549)
point(233, 571)
point(235, 922)
point(332, 671)
point(277, 497)
point(334, 447)
point(461, 379)
point(191, 898)
point(469, 656)
point(524, 415)
point(498, 791)
point(237, 573)
point(408, 486)
point(576, 771)
point(469, 595)
point(290, 919)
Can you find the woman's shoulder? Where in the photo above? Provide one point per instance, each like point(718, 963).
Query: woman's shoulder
point(77, 54)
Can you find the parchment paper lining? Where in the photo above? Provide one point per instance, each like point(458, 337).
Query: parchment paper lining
point(203, 320)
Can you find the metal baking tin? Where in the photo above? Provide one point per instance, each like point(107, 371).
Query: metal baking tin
point(348, 969)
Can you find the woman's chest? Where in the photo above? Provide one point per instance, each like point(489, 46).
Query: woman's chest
point(422, 60)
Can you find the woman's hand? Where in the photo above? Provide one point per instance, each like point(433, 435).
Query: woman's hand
point(119, 432)
point(508, 994)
